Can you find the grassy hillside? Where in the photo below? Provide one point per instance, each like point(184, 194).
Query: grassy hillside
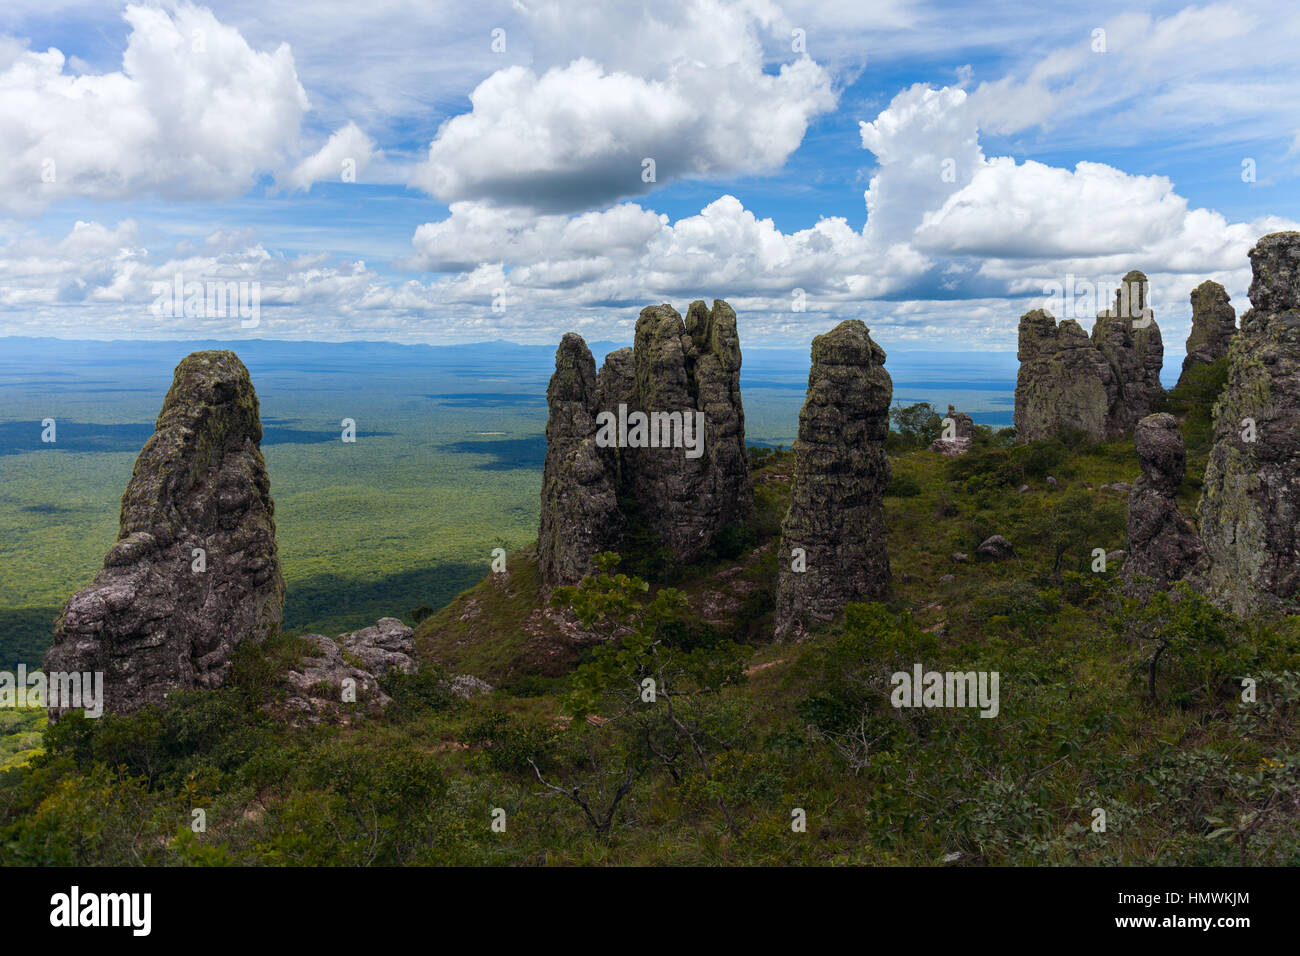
point(747, 739)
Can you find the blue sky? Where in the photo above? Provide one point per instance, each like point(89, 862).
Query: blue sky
point(471, 171)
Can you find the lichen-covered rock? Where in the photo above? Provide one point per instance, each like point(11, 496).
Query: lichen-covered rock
point(1250, 500)
point(323, 678)
point(1103, 384)
point(1161, 454)
point(382, 648)
point(836, 515)
point(466, 686)
point(616, 385)
point(579, 512)
point(1163, 546)
point(995, 548)
point(1062, 381)
point(195, 570)
point(1214, 323)
point(691, 366)
point(683, 500)
point(340, 677)
point(616, 380)
point(962, 434)
point(1130, 340)
point(963, 424)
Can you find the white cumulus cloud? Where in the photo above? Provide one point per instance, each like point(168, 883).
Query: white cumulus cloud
point(577, 134)
point(194, 112)
point(344, 157)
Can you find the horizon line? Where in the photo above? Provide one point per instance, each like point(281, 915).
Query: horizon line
point(444, 345)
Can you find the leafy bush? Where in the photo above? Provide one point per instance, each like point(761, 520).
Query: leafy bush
point(753, 610)
point(1070, 526)
point(533, 685)
point(359, 806)
point(510, 744)
point(1014, 606)
point(418, 693)
point(852, 672)
point(734, 540)
point(995, 466)
point(1183, 637)
point(903, 486)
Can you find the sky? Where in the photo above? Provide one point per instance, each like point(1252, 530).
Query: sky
point(472, 171)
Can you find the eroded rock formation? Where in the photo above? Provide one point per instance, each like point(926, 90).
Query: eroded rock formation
point(579, 515)
point(315, 686)
point(1063, 380)
point(1103, 384)
point(1163, 546)
point(594, 487)
point(1128, 337)
point(195, 570)
point(693, 366)
point(835, 527)
point(1250, 501)
point(1214, 323)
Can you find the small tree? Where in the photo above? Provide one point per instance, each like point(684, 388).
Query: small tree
point(1073, 524)
point(1183, 629)
point(917, 425)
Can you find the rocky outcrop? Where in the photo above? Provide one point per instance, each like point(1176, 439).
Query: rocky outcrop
point(1129, 339)
point(833, 542)
point(1063, 381)
point(340, 677)
point(1250, 501)
point(316, 688)
point(195, 570)
point(1163, 546)
point(963, 424)
point(615, 386)
point(1103, 384)
point(691, 366)
point(579, 515)
point(995, 548)
point(683, 496)
point(466, 686)
point(382, 648)
point(1214, 323)
point(962, 434)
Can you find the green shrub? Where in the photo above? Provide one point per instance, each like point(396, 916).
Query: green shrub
point(422, 692)
point(359, 805)
point(533, 685)
point(734, 540)
point(509, 743)
point(903, 486)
